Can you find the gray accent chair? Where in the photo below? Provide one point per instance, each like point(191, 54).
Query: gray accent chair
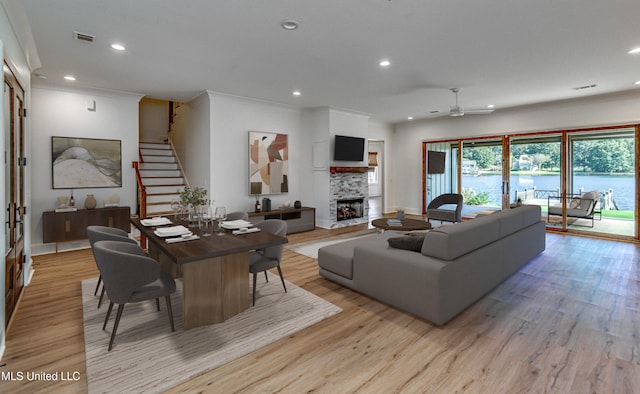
point(129, 275)
point(104, 233)
point(267, 258)
point(436, 212)
point(237, 215)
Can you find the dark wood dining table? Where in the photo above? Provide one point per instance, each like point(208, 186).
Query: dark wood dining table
point(214, 270)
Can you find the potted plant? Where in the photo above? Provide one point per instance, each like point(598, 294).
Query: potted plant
point(191, 199)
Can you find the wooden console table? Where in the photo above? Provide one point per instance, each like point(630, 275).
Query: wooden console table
point(72, 225)
point(298, 219)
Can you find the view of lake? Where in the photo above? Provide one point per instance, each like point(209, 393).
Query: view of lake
point(622, 186)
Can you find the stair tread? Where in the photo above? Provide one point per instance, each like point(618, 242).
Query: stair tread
point(161, 177)
point(159, 164)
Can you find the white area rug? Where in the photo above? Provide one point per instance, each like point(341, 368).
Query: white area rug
point(148, 357)
point(310, 249)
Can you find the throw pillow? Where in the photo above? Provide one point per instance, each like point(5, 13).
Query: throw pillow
point(408, 242)
point(574, 203)
point(588, 199)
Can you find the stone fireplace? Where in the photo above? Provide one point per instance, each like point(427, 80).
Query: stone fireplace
point(349, 197)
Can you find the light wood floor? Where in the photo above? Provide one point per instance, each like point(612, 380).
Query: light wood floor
point(569, 321)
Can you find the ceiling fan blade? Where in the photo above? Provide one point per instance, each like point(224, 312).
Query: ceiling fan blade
point(437, 114)
point(478, 111)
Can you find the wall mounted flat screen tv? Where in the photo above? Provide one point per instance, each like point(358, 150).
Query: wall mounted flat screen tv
point(435, 162)
point(348, 148)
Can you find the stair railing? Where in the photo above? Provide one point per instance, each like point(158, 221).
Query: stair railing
point(142, 199)
point(175, 154)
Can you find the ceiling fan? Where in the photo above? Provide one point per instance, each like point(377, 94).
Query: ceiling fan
point(457, 110)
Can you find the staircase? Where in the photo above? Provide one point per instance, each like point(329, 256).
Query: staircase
point(161, 175)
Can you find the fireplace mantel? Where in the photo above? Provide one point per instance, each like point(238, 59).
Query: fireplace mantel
point(336, 170)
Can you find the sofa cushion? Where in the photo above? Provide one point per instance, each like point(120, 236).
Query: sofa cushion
point(338, 257)
point(408, 242)
point(450, 242)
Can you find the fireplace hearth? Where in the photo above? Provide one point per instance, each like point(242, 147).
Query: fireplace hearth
point(349, 209)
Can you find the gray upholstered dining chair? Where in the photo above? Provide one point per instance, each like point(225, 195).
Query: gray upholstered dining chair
point(436, 212)
point(129, 275)
point(104, 233)
point(237, 215)
point(267, 258)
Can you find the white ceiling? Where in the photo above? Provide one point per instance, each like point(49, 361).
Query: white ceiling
point(502, 52)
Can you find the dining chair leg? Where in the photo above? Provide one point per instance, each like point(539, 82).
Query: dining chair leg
point(266, 276)
point(98, 285)
point(101, 297)
point(255, 280)
point(158, 304)
point(115, 325)
point(106, 318)
point(282, 278)
point(167, 298)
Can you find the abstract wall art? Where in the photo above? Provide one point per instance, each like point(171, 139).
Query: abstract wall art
point(85, 163)
point(268, 163)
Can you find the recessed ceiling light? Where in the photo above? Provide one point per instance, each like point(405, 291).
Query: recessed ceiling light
point(384, 63)
point(118, 47)
point(296, 93)
point(491, 106)
point(69, 77)
point(637, 83)
point(289, 24)
point(410, 118)
point(634, 51)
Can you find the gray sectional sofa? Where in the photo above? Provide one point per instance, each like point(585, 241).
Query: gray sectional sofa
point(455, 266)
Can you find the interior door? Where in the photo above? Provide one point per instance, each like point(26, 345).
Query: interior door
point(14, 189)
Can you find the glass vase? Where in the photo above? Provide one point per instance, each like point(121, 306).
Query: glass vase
point(194, 217)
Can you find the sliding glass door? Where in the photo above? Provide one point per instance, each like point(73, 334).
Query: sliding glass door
point(482, 183)
point(535, 173)
point(583, 180)
point(601, 181)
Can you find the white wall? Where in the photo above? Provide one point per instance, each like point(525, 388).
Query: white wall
point(342, 122)
point(192, 140)
point(384, 132)
point(58, 112)
point(154, 120)
point(232, 118)
point(318, 155)
point(615, 109)
point(321, 125)
point(216, 126)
